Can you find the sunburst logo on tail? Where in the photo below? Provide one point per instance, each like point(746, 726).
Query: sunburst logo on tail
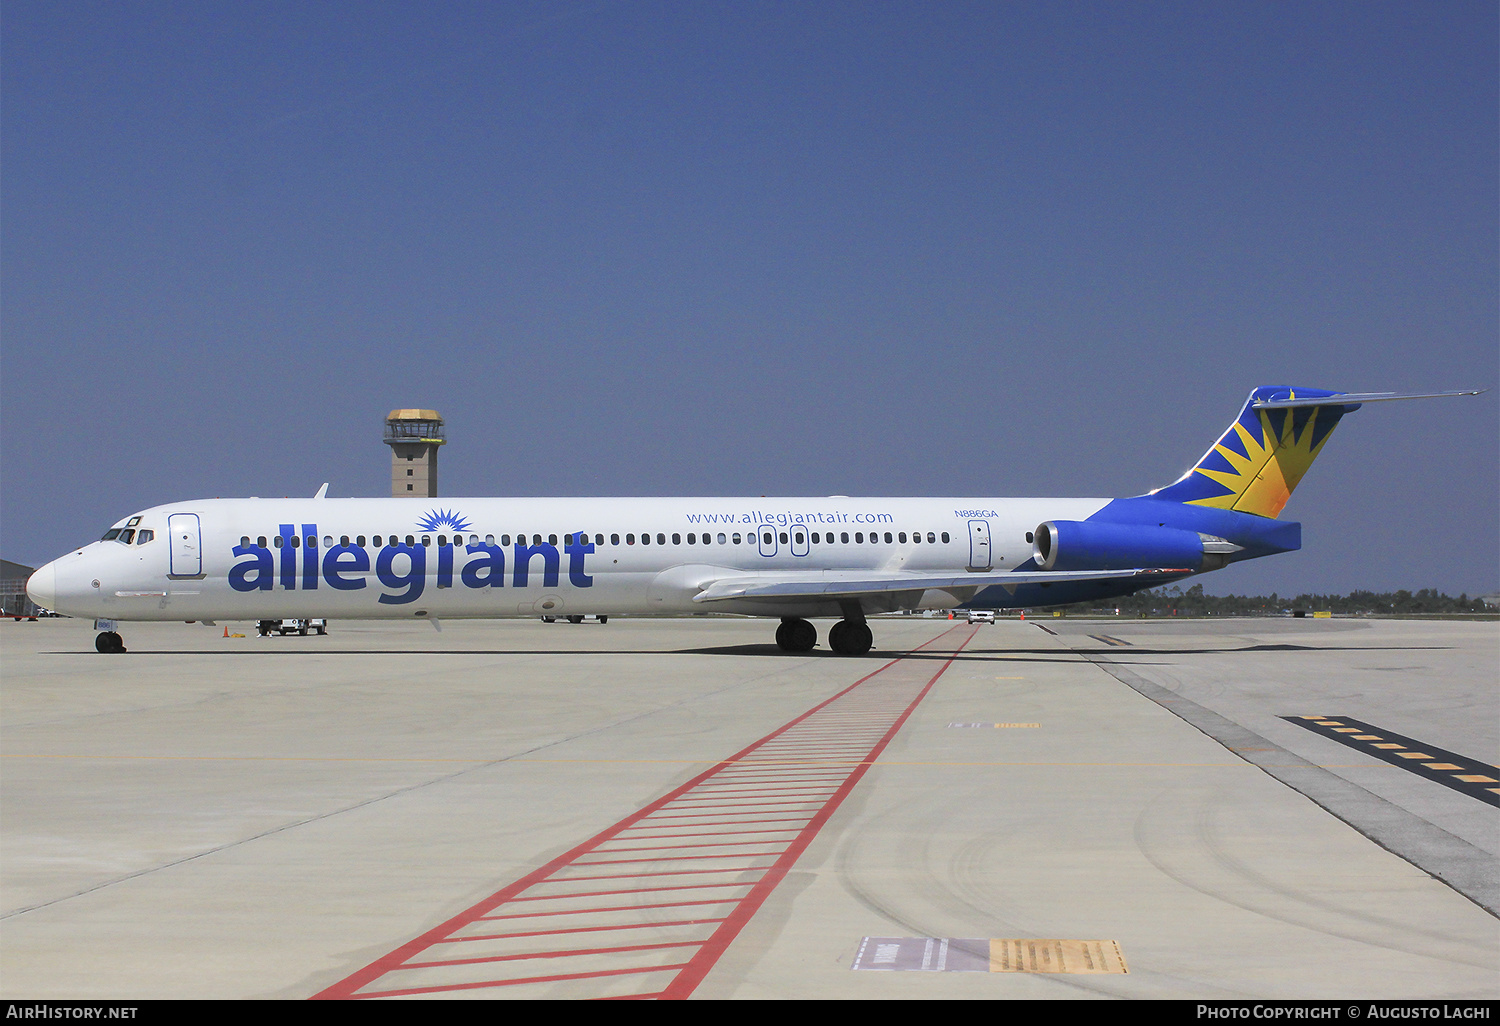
point(442, 519)
point(1256, 464)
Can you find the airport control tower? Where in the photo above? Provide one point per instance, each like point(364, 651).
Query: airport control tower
point(414, 437)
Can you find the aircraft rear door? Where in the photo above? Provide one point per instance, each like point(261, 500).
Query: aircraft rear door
point(979, 545)
point(187, 545)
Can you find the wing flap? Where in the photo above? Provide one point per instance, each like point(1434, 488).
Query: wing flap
point(833, 586)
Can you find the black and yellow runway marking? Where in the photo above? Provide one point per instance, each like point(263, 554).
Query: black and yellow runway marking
point(1469, 776)
point(1106, 639)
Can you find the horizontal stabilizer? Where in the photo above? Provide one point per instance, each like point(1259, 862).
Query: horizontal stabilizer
point(1291, 401)
point(853, 584)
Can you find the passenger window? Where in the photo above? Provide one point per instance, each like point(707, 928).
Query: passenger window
point(661, 539)
point(945, 537)
point(426, 540)
point(598, 539)
point(783, 537)
point(328, 541)
point(244, 540)
point(410, 541)
point(630, 539)
point(736, 538)
point(489, 539)
point(343, 540)
point(676, 539)
point(551, 539)
point(931, 538)
point(360, 541)
point(147, 535)
point(278, 541)
point(844, 537)
point(859, 537)
point(692, 539)
point(901, 537)
point(261, 541)
point(296, 542)
point(887, 537)
point(721, 539)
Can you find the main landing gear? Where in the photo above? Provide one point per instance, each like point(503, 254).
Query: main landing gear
point(850, 636)
point(796, 635)
point(109, 641)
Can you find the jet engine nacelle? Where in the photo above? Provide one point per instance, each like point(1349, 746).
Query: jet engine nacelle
point(1087, 545)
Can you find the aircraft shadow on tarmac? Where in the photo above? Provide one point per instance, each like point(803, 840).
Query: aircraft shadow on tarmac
point(770, 650)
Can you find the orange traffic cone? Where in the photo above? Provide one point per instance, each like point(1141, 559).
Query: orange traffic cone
point(226, 632)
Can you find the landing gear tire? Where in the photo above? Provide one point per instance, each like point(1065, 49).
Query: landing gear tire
point(850, 638)
point(796, 635)
point(109, 642)
point(574, 618)
point(604, 619)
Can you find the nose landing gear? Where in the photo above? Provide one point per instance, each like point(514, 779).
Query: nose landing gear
point(109, 642)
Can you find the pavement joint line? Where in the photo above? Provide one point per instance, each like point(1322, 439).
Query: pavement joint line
point(1467, 868)
point(699, 762)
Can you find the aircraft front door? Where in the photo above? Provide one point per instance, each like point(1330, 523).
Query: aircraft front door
point(187, 545)
point(979, 545)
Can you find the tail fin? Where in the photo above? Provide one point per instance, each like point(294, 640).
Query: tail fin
point(1256, 464)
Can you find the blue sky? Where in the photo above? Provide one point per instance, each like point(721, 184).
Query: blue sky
point(752, 248)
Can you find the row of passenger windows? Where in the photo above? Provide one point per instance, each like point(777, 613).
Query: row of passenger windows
point(796, 535)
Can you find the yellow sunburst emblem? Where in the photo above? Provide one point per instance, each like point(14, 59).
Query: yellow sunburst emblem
point(1261, 479)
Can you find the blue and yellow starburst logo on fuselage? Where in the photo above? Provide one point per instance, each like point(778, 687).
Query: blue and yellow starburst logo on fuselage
point(442, 519)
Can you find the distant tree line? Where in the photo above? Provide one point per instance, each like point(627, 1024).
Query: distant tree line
point(1162, 601)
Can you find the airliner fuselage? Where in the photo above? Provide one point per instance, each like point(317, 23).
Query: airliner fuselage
point(484, 557)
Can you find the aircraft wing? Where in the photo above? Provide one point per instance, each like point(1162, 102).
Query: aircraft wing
point(834, 585)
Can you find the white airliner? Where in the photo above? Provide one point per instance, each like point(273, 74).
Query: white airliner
point(257, 559)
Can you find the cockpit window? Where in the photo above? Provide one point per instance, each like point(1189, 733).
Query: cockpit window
point(111, 534)
point(127, 536)
point(144, 536)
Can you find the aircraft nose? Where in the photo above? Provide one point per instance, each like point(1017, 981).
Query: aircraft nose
point(42, 586)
